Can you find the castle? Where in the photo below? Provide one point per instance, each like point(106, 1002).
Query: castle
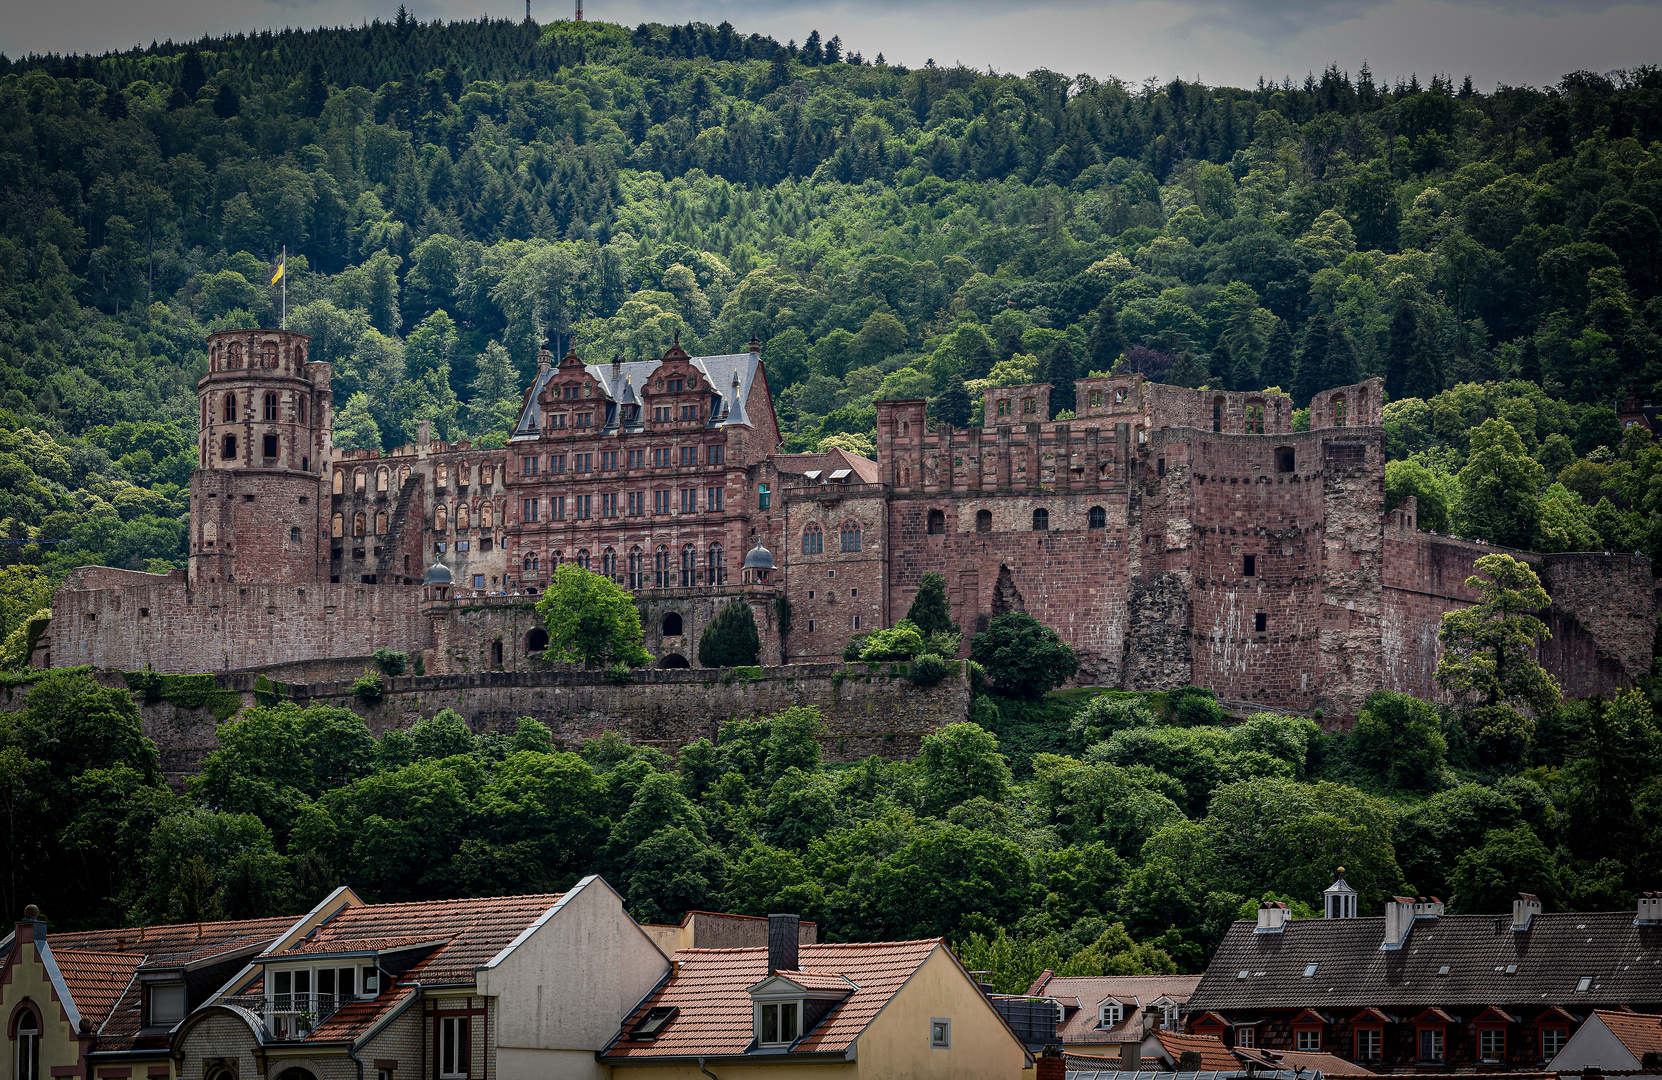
point(1171, 535)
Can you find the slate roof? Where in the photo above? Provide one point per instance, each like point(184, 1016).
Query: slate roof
point(1641, 1033)
point(710, 988)
point(1085, 993)
point(1624, 962)
point(623, 383)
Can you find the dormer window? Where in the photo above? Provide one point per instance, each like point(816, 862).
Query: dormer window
point(653, 1021)
point(1168, 1015)
point(677, 385)
point(778, 1022)
point(787, 1005)
point(167, 1003)
point(1111, 1013)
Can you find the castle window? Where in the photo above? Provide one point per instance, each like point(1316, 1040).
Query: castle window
point(270, 404)
point(300, 408)
point(268, 354)
point(230, 413)
point(462, 516)
point(228, 448)
point(608, 563)
point(583, 558)
point(637, 568)
point(1119, 397)
point(536, 639)
point(813, 541)
point(359, 479)
point(937, 522)
point(905, 428)
point(530, 513)
point(1096, 399)
point(661, 567)
point(851, 536)
point(1284, 459)
point(764, 497)
point(1217, 414)
point(269, 446)
point(1255, 419)
point(340, 481)
point(1260, 623)
point(357, 525)
point(487, 516)
point(1096, 518)
point(689, 567)
point(337, 525)
point(444, 476)
point(233, 355)
point(294, 534)
point(1249, 566)
point(383, 479)
point(381, 523)
point(486, 474)
point(983, 521)
point(441, 519)
point(530, 562)
point(1004, 407)
point(1339, 411)
point(28, 1046)
point(717, 560)
point(1029, 405)
point(1041, 520)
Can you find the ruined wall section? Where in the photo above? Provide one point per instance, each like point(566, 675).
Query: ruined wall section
point(834, 593)
point(1159, 646)
point(1219, 411)
point(1256, 562)
point(1353, 554)
point(1603, 621)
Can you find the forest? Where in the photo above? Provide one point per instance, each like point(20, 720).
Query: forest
point(452, 197)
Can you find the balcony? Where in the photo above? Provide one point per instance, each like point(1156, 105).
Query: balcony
point(289, 1017)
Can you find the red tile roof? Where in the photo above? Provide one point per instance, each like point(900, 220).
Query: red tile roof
point(1641, 1033)
point(814, 980)
point(1129, 990)
point(710, 988)
point(171, 941)
point(1213, 1053)
point(96, 980)
point(1328, 1064)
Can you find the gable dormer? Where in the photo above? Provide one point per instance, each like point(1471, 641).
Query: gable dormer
point(1111, 1011)
point(678, 395)
point(789, 1004)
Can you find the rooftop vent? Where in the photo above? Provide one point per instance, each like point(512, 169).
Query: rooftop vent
point(1272, 916)
point(783, 934)
point(1524, 910)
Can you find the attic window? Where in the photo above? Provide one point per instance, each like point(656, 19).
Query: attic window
point(1112, 1013)
point(1443, 970)
point(1583, 984)
point(1242, 974)
point(1310, 969)
point(777, 1023)
point(167, 1003)
point(654, 1021)
point(1511, 969)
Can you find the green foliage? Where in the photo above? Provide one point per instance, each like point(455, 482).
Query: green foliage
point(369, 687)
point(1023, 656)
point(930, 612)
point(1400, 738)
point(185, 691)
point(731, 638)
point(391, 663)
point(590, 619)
point(902, 641)
point(929, 669)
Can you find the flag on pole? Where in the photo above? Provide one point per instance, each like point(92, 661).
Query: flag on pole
point(281, 263)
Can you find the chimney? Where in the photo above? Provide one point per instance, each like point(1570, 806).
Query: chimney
point(783, 933)
point(424, 432)
point(1524, 910)
point(1051, 1063)
point(1399, 919)
point(1272, 916)
point(1650, 908)
point(755, 346)
point(1131, 1056)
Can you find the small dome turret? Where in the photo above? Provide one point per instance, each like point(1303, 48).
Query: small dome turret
point(437, 574)
point(758, 558)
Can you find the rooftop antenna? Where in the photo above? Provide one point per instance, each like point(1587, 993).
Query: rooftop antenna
point(579, 15)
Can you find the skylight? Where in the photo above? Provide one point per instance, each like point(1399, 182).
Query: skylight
point(1583, 984)
point(654, 1021)
point(1310, 969)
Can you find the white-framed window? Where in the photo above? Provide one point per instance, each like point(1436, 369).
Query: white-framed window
point(453, 1047)
point(1168, 1015)
point(1368, 1044)
point(1552, 1041)
point(1491, 1044)
point(1110, 1013)
point(167, 1003)
point(940, 1032)
point(778, 1023)
point(1431, 1044)
point(28, 1046)
point(1308, 1039)
point(1246, 1037)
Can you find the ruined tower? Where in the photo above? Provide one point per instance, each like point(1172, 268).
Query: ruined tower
point(257, 500)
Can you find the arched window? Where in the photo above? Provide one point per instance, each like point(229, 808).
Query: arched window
point(637, 568)
point(441, 519)
point(608, 563)
point(486, 474)
point(230, 413)
point(210, 533)
point(530, 562)
point(937, 522)
point(672, 626)
point(583, 558)
point(1338, 410)
point(1041, 520)
point(233, 355)
point(850, 536)
point(403, 476)
point(462, 516)
point(340, 481)
point(381, 523)
point(268, 354)
point(1217, 414)
point(357, 525)
point(556, 558)
point(359, 478)
point(383, 479)
point(337, 526)
point(1255, 418)
point(487, 515)
point(270, 407)
point(28, 1046)
point(496, 654)
point(444, 476)
point(300, 407)
point(813, 541)
point(983, 521)
point(228, 448)
point(1096, 518)
point(717, 565)
point(660, 568)
point(537, 639)
point(689, 567)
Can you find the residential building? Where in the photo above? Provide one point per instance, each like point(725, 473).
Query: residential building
point(1113, 1015)
point(1613, 1041)
point(719, 930)
point(1418, 989)
point(868, 1009)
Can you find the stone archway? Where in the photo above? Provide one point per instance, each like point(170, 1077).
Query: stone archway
point(674, 660)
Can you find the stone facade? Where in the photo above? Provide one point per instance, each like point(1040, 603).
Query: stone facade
point(1170, 535)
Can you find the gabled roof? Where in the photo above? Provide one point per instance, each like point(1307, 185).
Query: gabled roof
point(731, 375)
point(1213, 1053)
point(96, 980)
point(811, 980)
point(711, 990)
point(1545, 961)
point(824, 463)
point(1138, 993)
point(1641, 1033)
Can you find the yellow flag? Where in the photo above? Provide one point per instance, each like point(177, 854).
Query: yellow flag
point(278, 276)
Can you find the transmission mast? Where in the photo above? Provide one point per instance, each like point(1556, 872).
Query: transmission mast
point(579, 15)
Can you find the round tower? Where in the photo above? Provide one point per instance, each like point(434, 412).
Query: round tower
point(258, 512)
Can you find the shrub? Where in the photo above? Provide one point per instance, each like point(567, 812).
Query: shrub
point(1400, 740)
point(620, 675)
point(1193, 706)
point(929, 669)
point(368, 686)
point(731, 639)
point(1023, 656)
point(930, 611)
point(391, 663)
point(851, 651)
point(902, 641)
point(1104, 716)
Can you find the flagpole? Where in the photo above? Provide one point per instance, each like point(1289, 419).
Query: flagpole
point(285, 286)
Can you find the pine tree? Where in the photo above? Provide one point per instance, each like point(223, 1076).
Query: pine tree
point(1241, 376)
point(1312, 362)
point(954, 405)
point(1399, 350)
point(1107, 339)
point(1529, 363)
point(1279, 359)
point(1425, 366)
point(930, 612)
point(1340, 368)
point(1061, 369)
point(317, 91)
point(731, 639)
point(1220, 367)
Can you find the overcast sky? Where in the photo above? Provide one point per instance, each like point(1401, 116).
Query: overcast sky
point(1219, 41)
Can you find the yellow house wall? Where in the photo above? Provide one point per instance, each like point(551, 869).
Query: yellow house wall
point(59, 1045)
point(895, 1046)
point(724, 1071)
